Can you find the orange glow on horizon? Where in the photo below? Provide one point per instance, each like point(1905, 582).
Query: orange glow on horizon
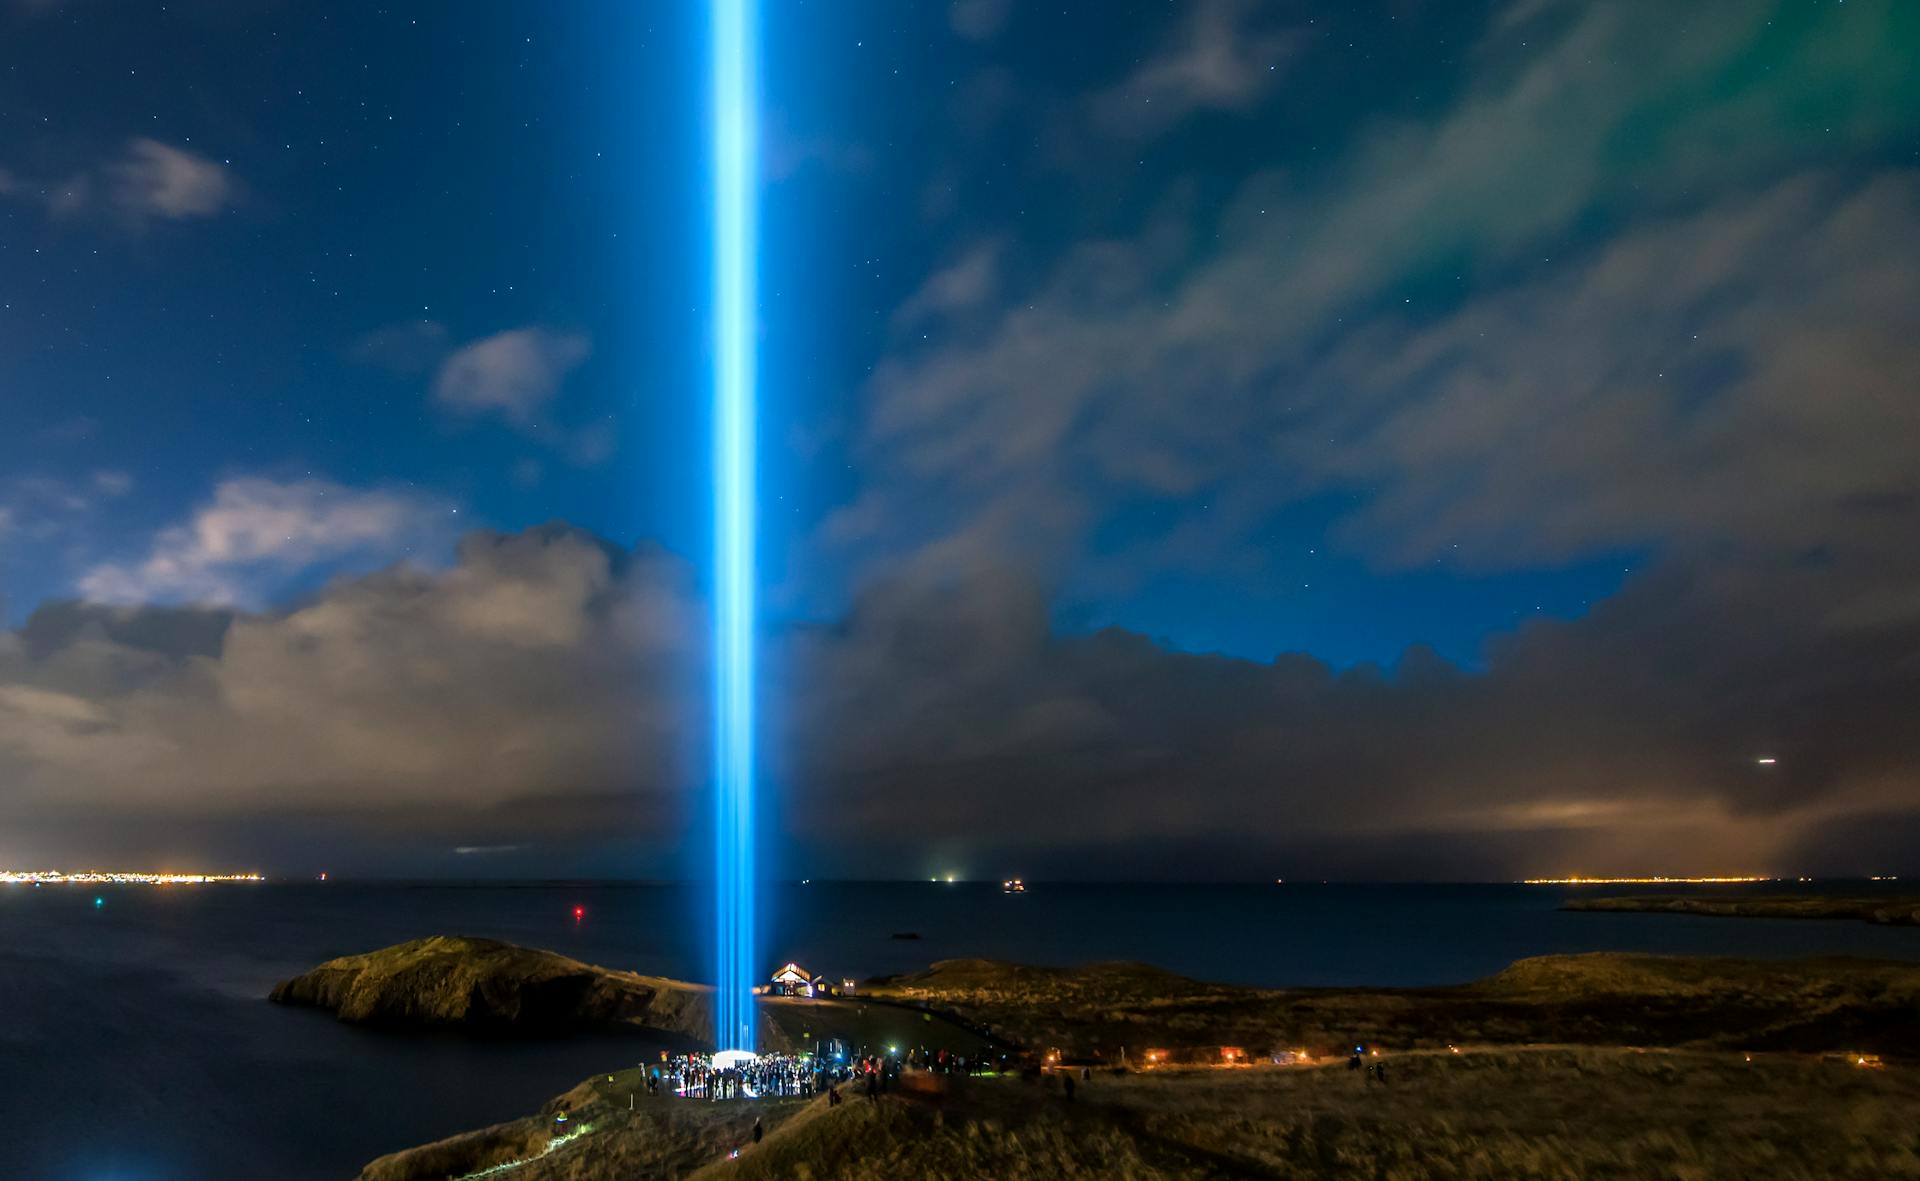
point(1654, 881)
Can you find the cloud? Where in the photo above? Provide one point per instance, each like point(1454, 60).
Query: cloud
point(979, 20)
point(514, 374)
point(112, 483)
point(967, 283)
point(149, 181)
point(255, 533)
point(547, 690)
point(408, 349)
point(43, 507)
point(787, 152)
point(69, 431)
point(540, 684)
point(1725, 380)
point(155, 180)
point(1310, 337)
point(1223, 58)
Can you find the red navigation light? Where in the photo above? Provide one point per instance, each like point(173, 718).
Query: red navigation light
point(579, 912)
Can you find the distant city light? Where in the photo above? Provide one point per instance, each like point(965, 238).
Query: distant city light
point(1657, 881)
point(1766, 760)
point(54, 877)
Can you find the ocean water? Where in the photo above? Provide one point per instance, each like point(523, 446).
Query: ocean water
point(136, 1043)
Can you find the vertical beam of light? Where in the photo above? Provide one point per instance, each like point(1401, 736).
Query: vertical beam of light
point(734, 144)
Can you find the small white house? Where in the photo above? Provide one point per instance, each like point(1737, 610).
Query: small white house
point(794, 980)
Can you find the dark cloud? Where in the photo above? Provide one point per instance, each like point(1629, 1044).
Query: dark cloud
point(526, 688)
point(1507, 338)
point(1626, 741)
point(546, 692)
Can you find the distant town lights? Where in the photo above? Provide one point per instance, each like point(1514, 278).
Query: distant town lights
point(1655, 881)
point(1766, 760)
point(54, 877)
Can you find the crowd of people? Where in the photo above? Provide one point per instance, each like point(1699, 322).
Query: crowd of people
point(699, 1076)
point(703, 1076)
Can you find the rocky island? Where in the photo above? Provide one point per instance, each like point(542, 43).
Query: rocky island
point(486, 985)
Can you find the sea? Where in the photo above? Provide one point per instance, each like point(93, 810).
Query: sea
point(137, 1044)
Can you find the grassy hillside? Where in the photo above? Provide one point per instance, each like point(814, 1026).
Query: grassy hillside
point(490, 985)
point(1601, 999)
point(1557, 1113)
point(1525, 1074)
point(1547, 1112)
point(601, 1138)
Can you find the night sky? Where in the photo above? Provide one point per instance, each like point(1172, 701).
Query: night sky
point(1206, 439)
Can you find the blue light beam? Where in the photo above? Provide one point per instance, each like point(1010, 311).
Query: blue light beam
point(735, 140)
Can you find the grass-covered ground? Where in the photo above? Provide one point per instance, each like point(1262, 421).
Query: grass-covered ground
point(1595, 1066)
point(602, 1137)
point(1599, 999)
point(1547, 1112)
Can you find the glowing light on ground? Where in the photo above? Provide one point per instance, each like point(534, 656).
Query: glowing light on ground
point(552, 1146)
point(735, 141)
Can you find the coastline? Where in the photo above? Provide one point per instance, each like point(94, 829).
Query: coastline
point(1887, 911)
point(1630, 1040)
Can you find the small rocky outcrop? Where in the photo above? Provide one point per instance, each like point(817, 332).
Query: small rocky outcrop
point(485, 985)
